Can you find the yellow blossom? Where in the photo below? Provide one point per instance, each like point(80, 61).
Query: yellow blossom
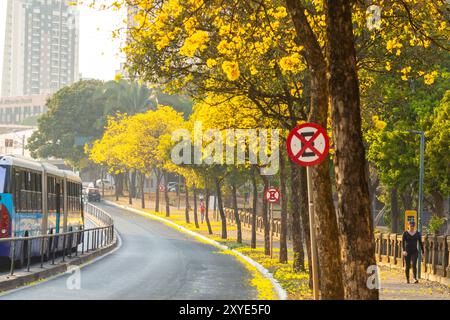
point(290, 63)
point(231, 69)
point(193, 43)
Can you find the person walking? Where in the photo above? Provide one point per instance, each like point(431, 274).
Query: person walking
point(411, 240)
point(202, 209)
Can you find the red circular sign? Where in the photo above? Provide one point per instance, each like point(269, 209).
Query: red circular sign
point(273, 195)
point(307, 144)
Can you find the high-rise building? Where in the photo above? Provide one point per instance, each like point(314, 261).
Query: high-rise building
point(41, 47)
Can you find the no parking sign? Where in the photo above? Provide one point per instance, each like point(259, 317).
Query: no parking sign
point(272, 195)
point(308, 144)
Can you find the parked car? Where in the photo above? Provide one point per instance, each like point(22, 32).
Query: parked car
point(93, 194)
point(100, 183)
point(172, 186)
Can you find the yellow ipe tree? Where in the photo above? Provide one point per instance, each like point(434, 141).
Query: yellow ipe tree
point(242, 114)
point(139, 142)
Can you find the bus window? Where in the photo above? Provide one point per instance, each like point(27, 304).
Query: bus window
point(2, 179)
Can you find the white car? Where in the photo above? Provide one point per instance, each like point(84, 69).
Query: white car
point(104, 183)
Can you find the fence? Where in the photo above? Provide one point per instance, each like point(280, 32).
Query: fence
point(246, 221)
point(435, 260)
point(67, 244)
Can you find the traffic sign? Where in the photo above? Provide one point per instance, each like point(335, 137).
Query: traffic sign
point(273, 195)
point(308, 144)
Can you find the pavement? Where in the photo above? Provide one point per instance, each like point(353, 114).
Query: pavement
point(394, 287)
point(153, 261)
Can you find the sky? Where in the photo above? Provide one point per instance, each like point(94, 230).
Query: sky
point(100, 56)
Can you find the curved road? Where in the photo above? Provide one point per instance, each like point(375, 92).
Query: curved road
point(154, 262)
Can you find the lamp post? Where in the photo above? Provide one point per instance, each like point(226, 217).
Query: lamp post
point(420, 204)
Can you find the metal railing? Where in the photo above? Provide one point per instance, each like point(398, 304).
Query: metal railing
point(60, 245)
point(98, 214)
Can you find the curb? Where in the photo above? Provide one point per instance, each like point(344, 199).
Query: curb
point(22, 280)
point(282, 295)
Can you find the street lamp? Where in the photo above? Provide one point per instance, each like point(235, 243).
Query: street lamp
point(420, 204)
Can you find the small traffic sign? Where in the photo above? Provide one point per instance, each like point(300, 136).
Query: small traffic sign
point(307, 144)
point(273, 195)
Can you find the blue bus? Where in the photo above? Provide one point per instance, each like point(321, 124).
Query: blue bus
point(37, 198)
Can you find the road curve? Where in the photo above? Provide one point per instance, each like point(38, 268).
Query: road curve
point(154, 262)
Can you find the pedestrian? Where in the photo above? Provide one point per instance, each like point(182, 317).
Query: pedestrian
point(202, 209)
point(411, 240)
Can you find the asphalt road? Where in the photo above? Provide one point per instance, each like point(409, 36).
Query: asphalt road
point(153, 262)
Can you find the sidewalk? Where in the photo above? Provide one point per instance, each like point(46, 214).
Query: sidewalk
point(394, 287)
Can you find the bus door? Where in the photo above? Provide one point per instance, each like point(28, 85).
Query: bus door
point(58, 206)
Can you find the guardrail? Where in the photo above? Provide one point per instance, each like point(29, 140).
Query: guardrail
point(98, 214)
point(66, 244)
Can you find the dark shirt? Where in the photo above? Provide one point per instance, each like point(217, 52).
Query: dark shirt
point(410, 242)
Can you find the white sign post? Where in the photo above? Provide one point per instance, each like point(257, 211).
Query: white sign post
point(272, 196)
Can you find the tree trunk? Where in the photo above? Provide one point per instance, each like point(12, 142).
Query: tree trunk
point(438, 204)
point(208, 223)
point(296, 201)
point(166, 194)
point(186, 201)
point(221, 211)
point(130, 194)
point(266, 221)
point(194, 191)
point(236, 214)
point(117, 188)
point(331, 284)
point(283, 214)
point(407, 200)
point(254, 209)
point(133, 184)
point(142, 185)
point(158, 182)
point(354, 219)
point(394, 210)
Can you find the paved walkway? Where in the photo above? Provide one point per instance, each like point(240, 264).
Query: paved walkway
point(394, 287)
